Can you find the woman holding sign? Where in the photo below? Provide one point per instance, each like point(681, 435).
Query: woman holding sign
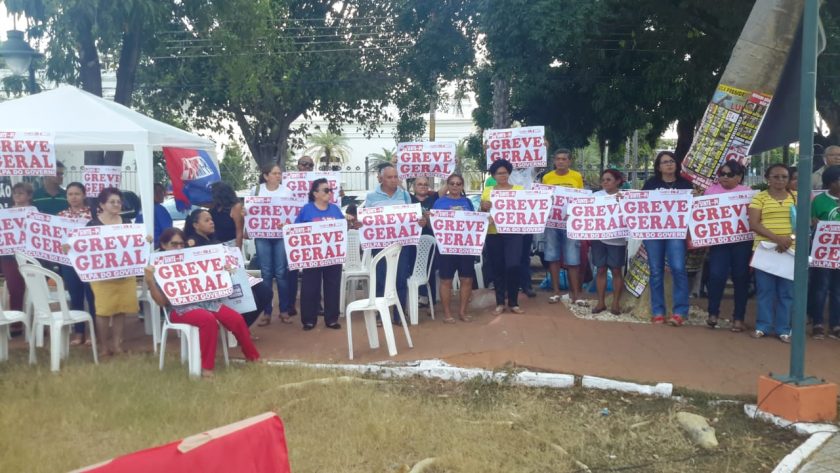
point(611, 253)
point(504, 250)
point(15, 286)
point(319, 209)
point(454, 199)
point(666, 171)
point(203, 315)
point(79, 291)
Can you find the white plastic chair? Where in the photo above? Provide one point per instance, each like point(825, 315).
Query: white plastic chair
point(420, 277)
point(382, 305)
point(54, 295)
point(355, 267)
point(190, 348)
point(151, 312)
point(7, 318)
point(59, 322)
point(479, 272)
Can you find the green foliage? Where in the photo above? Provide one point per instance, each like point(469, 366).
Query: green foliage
point(387, 156)
point(828, 75)
point(235, 168)
point(328, 149)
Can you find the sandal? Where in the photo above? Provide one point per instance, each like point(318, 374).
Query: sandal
point(78, 339)
point(554, 299)
point(615, 311)
point(785, 338)
point(448, 320)
point(334, 326)
point(757, 334)
point(657, 319)
point(737, 326)
point(599, 309)
point(285, 319)
point(712, 321)
point(265, 319)
point(465, 318)
point(582, 303)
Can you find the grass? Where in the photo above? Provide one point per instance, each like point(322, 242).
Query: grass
point(86, 413)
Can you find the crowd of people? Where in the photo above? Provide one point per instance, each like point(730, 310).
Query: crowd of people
point(771, 218)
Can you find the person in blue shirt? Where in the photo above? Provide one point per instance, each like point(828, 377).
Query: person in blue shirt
point(318, 209)
point(162, 218)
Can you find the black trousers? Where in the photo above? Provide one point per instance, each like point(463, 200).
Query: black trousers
point(314, 279)
point(505, 253)
point(262, 296)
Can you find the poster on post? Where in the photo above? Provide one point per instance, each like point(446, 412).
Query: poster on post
point(300, 182)
point(720, 218)
point(459, 232)
point(825, 250)
point(657, 215)
point(560, 199)
point(27, 153)
point(108, 251)
point(265, 216)
point(596, 217)
point(97, 178)
point(522, 211)
point(425, 159)
point(384, 226)
point(524, 147)
point(13, 229)
point(638, 273)
point(46, 233)
point(193, 274)
point(242, 298)
point(316, 244)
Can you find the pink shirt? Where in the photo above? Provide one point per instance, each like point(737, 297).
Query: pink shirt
point(716, 188)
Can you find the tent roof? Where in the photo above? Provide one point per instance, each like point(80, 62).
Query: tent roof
point(83, 121)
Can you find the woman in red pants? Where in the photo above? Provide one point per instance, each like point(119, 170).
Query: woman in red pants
point(202, 314)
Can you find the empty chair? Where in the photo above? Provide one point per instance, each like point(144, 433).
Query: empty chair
point(190, 348)
point(420, 277)
point(59, 322)
point(382, 305)
point(7, 318)
point(355, 267)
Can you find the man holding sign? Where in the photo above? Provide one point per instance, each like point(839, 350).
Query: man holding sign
point(825, 209)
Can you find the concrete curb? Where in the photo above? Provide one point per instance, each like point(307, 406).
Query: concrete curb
point(660, 390)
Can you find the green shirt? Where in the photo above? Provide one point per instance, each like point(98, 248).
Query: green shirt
point(50, 204)
point(824, 207)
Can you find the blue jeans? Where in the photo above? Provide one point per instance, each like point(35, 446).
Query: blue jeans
point(273, 266)
point(674, 251)
point(404, 268)
point(775, 300)
point(734, 259)
point(826, 283)
point(79, 291)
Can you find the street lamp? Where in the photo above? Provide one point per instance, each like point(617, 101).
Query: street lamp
point(18, 56)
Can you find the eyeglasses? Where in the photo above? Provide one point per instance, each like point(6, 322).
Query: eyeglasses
point(667, 162)
point(726, 174)
point(783, 177)
point(306, 164)
point(326, 190)
point(456, 183)
point(176, 243)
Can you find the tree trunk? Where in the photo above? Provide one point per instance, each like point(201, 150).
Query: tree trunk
point(685, 135)
point(129, 59)
point(90, 70)
point(501, 107)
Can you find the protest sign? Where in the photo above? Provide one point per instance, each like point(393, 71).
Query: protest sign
point(638, 273)
point(720, 218)
point(108, 251)
point(27, 153)
point(193, 274)
point(97, 178)
point(560, 198)
point(316, 244)
point(300, 183)
point(459, 232)
point(523, 147)
point(46, 233)
point(6, 192)
point(242, 298)
point(825, 250)
point(657, 215)
point(595, 218)
point(523, 211)
point(265, 216)
point(384, 226)
point(13, 229)
point(425, 159)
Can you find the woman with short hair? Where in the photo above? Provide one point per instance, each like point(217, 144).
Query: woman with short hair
point(227, 214)
point(448, 265)
point(610, 253)
point(79, 291)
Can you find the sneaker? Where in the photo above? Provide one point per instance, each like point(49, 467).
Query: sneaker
point(785, 338)
point(657, 319)
point(835, 333)
point(676, 320)
point(757, 334)
point(818, 332)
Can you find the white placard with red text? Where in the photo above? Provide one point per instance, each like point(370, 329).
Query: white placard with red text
point(193, 274)
point(384, 226)
point(46, 233)
point(596, 217)
point(27, 153)
point(13, 229)
point(242, 298)
point(524, 147)
point(300, 182)
point(108, 251)
point(522, 211)
point(97, 178)
point(459, 232)
point(425, 159)
point(560, 198)
point(265, 216)
point(825, 250)
point(657, 215)
point(316, 244)
point(720, 218)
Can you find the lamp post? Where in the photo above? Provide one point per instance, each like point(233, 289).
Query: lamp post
point(18, 56)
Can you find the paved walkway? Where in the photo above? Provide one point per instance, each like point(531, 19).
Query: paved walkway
point(826, 459)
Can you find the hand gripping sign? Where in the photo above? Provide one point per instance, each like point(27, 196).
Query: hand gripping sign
point(242, 298)
point(46, 233)
point(27, 153)
point(720, 218)
point(316, 244)
point(193, 274)
point(300, 182)
point(97, 178)
point(522, 211)
point(425, 159)
point(265, 216)
point(524, 147)
point(108, 251)
point(384, 226)
point(13, 229)
point(657, 215)
point(595, 218)
point(459, 232)
point(825, 251)
point(559, 204)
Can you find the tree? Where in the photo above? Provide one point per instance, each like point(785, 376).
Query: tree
point(828, 75)
point(235, 168)
point(387, 156)
point(328, 148)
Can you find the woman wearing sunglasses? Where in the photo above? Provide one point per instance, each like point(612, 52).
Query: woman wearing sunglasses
point(729, 259)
